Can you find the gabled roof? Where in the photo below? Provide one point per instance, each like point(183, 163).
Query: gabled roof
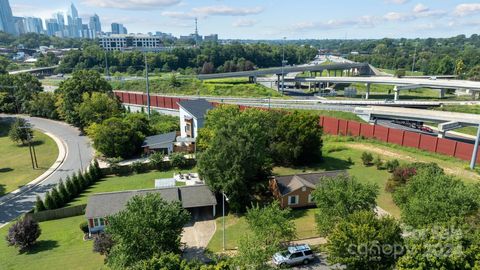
point(289, 183)
point(160, 141)
point(105, 204)
point(196, 107)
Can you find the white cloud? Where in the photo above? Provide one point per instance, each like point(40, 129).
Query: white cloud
point(419, 8)
point(227, 11)
point(132, 4)
point(396, 16)
point(467, 9)
point(245, 23)
point(178, 15)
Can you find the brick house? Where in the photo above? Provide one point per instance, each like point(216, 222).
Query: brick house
point(295, 191)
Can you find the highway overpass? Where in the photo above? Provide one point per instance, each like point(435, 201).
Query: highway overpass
point(37, 71)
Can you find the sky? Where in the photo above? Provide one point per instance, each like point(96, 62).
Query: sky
point(275, 19)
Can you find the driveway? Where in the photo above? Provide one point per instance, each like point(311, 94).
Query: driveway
point(79, 156)
point(198, 233)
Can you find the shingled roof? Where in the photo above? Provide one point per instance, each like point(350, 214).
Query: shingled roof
point(160, 141)
point(101, 205)
point(289, 183)
point(196, 107)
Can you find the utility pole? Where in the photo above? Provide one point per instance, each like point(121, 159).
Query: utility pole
point(107, 72)
point(283, 65)
point(148, 86)
point(414, 58)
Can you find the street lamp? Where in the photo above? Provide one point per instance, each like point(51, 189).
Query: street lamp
point(224, 198)
point(284, 62)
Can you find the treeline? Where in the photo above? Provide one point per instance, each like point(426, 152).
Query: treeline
point(207, 58)
point(34, 40)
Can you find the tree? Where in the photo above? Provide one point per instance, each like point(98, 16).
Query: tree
point(39, 206)
point(178, 160)
point(236, 158)
point(62, 190)
point(392, 165)
point(115, 137)
point(149, 225)
point(431, 197)
point(364, 241)
point(296, 138)
point(56, 198)
point(96, 107)
point(70, 93)
point(252, 254)
point(338, 197)
point(49, 202)
point(71, 188)
point(102, 243)
point(81, 180)
point(23, 234)
point(20, 131)
point(43, 105)
point(156, 159)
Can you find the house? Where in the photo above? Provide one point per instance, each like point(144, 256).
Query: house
point(295, 190)
point(102, 205)
point(160, 143)
point(192, 116)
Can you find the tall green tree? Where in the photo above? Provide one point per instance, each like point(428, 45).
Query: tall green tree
point(43, 105)
point(70, 93)
point(365, 241)
point(148, 226)
point(236, 160)
point(20, 131)
point(338, 197)
point(96, 107)
point(39, 206)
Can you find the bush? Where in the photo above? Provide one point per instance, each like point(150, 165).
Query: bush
point(378, 163)
point(178, 160)
point(64, 194)
point(138, 167)
point(71, 187)
point(23, 234)
point(400, 177)
point(102, 243)
point(49, 202)
point(84, 226)
point(367, 158)
point(156, 159)
point(392, 165)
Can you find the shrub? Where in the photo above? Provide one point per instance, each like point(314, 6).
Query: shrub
point(39, 206)
point(400, 177)
point(49, 202)
point(114, 164)
point(178, 160)
point(378, 163)
point(367, 158)
point(64, 194)
point(392, 165)
point(84, 226)
point(56, 198)
point(23, 234)
point(156, 160)
point(102, 243)
point(350, 161)
point(81, 181)
point(138, 167)
point(71, 187)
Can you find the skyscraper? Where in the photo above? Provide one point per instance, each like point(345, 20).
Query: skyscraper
point(33, 25)
point(95, 25)
point(7, 24)
point(117, 28)
point(53, 28)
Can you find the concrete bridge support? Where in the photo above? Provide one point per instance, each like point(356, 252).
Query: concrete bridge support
point(442, 93)
point(396, 94)
point(367, 93)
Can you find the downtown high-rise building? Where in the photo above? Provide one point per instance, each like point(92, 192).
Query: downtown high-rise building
point(7, 22)
point(95, 26)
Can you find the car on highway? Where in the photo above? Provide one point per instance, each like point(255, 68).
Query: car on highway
point(299, 254)
point(426, 129)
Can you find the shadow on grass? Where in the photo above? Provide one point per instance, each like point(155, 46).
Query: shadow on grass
point(328, 164)
point(298, 213)
point(4, 170)
point(42, 245)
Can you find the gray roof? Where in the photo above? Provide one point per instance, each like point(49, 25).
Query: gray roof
point(160, 141)
point(289, 183)
point(106, 204)
point(196, 107)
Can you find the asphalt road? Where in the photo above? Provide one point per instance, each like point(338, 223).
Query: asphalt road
point(79, 156)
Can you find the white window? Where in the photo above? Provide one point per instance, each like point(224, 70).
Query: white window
point(293, 200)
point(97, 222)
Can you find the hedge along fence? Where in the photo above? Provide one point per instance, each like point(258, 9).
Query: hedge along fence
point(336, 126)
point(58, 213)
point(145, 166)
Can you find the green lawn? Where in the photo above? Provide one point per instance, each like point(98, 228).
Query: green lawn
point(118, 183)
point(16, 167)
point(60, 246)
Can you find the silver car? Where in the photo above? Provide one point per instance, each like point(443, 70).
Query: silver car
point(301, 254)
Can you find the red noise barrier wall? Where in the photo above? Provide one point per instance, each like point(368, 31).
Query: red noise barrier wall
point(334, 126)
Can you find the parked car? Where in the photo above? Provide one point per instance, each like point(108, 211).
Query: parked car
point(426, 129)
point(300, 254)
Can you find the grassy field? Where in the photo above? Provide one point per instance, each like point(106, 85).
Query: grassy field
point(118, 183)
point(15, 165)
point(60, 246)
point(336, 114)
point(407, 72)
point(238, 87)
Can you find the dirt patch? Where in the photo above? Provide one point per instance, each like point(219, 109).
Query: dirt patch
point(460, 172)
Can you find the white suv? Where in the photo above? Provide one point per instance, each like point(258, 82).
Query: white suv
point(294, 255)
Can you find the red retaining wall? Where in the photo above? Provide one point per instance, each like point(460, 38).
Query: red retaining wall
point(336, 126)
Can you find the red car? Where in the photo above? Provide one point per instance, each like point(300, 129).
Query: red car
point(426, 129)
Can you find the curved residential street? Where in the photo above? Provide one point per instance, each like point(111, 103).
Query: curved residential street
point(78, 155)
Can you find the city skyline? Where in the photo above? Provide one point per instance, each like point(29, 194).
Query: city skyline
point(273, 19)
